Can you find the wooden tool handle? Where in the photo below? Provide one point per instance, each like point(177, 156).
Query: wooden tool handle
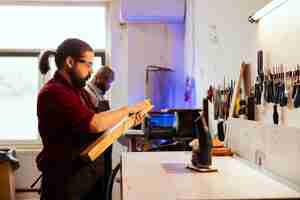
point(236, 91)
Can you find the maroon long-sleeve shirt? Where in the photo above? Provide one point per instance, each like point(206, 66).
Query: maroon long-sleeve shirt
point(64, 114)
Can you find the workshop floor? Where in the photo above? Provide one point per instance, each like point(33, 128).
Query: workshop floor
point(35, 195)
point(27, 196)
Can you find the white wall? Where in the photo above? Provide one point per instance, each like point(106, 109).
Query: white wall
point(224, 38)
point(274, 149)
point(134, 46)
point(176, 60)
point(278, 34)
point(118, 56)
point(168, 11)
point(147, 45)
point(153, 44)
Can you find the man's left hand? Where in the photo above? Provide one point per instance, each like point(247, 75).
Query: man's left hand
point(139, 118)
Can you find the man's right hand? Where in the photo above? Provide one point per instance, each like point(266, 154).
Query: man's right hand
point(139, 106)
point(105, 120)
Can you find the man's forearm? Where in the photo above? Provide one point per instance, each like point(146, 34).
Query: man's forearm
point(105, 120)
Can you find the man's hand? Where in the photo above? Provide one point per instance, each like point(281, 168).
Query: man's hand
point(139, 118)
point(139, 110)
point(139, 106)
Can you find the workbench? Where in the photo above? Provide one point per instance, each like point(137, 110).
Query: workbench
point(163, 176)
point(132, 136)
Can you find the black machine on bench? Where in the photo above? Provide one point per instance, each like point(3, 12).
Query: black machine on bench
point(173, 129)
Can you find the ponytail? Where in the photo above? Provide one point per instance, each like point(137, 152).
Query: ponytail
point(44, 65)
point(70, 47)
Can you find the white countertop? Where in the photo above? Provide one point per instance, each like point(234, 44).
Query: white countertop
point(162, 175)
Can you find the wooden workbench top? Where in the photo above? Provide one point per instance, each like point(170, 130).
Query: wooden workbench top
point(162, 175)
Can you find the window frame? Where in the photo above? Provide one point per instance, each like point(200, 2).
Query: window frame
point(36, 143)
point(35, 53)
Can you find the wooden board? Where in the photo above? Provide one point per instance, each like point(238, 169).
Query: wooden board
point(237, 87)
point(217, 143)
point(94, 150)
point(221, 151)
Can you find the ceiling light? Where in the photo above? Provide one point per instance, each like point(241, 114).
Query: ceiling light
point(266, 10)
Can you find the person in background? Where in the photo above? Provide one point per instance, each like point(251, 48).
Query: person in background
point(67, 124)
point(97, 88)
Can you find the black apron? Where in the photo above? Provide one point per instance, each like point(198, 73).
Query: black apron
point(104, 106)
point(78, 179)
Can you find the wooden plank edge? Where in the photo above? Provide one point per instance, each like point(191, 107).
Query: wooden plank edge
point(94, 150)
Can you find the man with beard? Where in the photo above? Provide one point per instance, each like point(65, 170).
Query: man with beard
point(97, 88)
point(67, 124)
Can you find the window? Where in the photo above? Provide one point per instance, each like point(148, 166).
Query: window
point(38, 27)
point(25, 30)
point(18, 89)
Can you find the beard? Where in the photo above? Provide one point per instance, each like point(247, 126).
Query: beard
point(103, 89)
point(101, 86)
point(77, 81)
